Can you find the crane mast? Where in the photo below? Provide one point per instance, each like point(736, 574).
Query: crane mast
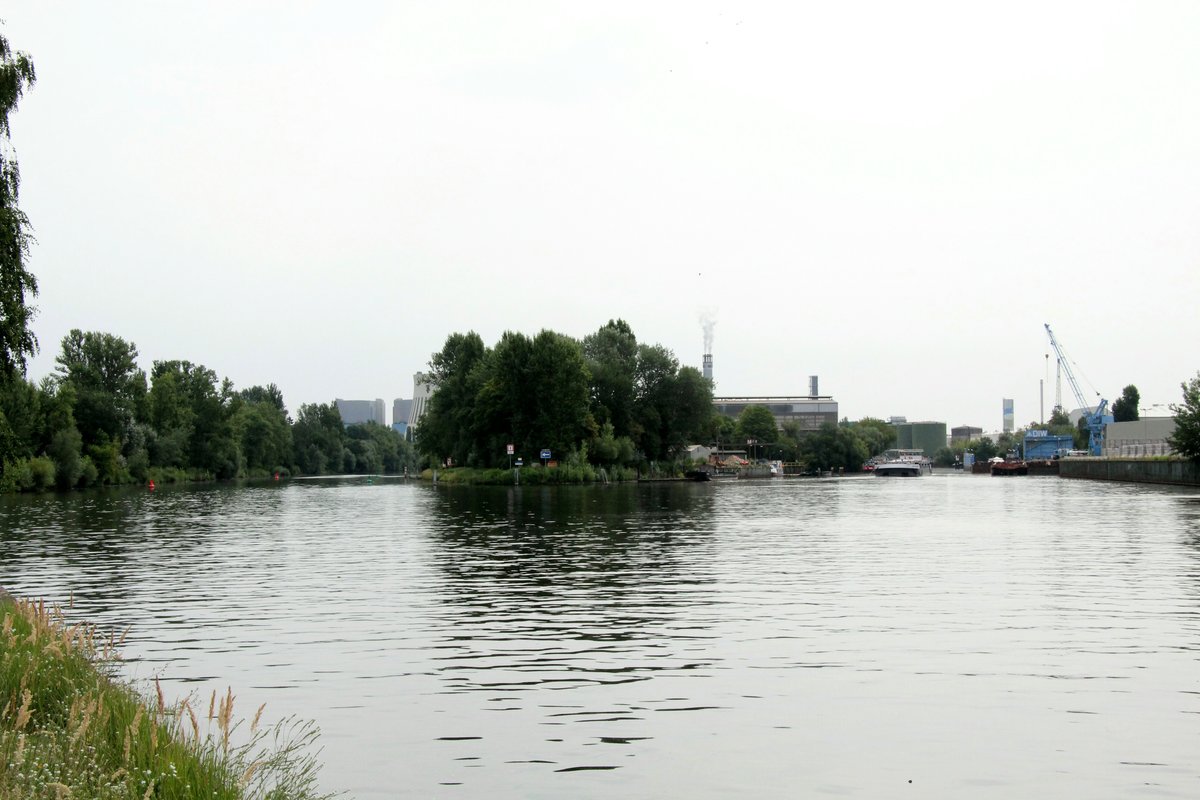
point(1094, 416)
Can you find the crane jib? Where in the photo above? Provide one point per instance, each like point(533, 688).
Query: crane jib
point(1095, 417)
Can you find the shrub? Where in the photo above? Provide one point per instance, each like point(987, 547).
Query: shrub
point(41, 473)
point(16, 477)
point(138, 465)
point(65, 448)
point(88, 474)
point(110, 465)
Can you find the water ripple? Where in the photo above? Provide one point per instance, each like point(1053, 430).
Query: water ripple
point(778, 638)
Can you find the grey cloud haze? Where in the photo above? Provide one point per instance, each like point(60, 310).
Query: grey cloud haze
point(894, 197)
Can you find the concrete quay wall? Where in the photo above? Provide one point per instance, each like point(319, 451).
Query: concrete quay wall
point(1131, 470)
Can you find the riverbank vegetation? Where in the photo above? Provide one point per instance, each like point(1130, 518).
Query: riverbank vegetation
point(69, 729)
point(99, 421)
point(532, 475)
point(606, 401)
point(844, 446)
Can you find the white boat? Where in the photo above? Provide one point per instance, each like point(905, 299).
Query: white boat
point(899, 469)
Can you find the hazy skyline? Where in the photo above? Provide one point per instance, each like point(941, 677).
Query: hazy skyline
point(892, 197)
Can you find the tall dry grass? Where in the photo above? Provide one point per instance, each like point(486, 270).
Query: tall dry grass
point(69, 729)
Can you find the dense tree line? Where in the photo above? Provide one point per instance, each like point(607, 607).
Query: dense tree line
point(99, 420)
point(846, 445)
point(607, 398)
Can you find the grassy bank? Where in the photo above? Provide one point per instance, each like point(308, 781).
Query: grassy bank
point(68, 729)
point(533, 476)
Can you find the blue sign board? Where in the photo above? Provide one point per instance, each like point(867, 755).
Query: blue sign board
point(545, 455)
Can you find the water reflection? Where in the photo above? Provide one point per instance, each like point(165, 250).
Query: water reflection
point(565, 587)
point(771, 638)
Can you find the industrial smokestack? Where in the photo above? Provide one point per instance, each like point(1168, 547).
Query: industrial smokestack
point(708, 321)
point(812, 386)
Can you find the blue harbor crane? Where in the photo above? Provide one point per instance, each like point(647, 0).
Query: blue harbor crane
point(1095, 417)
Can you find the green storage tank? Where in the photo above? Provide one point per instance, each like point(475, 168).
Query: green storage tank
point(904, 435)
point(928, 436)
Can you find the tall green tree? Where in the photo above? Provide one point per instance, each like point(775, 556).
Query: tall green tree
point(449, 428)
point(318, 437)
point(260, 425)
point(652, 383)
point(722, 430)
point(269, 394)
point(611, 354)
point(558, 378)
point(17, 283)
point(672, 405)
point(1125, 407)
point(833, 447)
point(109, 386)
point(757, 423)
point(506, 399)
point(693, 407)
point(1186, 438)
point(876, 434)
point(19, 407)
point(187, 407)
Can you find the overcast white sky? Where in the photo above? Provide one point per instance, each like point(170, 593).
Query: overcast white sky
point(892, 196)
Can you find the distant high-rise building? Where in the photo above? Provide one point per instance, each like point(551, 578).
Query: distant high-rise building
point(1009, 417)
point(356, 412)
point(401, 408)
point(423, 389)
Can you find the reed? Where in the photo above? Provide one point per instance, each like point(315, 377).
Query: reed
point(68, 728)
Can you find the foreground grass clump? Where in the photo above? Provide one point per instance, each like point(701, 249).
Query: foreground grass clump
point(69, 730)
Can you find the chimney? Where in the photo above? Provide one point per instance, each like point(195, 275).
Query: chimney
point(812, 386)
point(708, 366)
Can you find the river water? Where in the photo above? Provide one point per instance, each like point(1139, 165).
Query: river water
point(943, 637)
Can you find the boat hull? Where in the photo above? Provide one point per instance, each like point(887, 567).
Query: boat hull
point(901, 470)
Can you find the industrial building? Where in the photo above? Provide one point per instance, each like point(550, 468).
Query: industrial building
point(356, 412)
point(1042, 444)
point(928, 437)
point(1143, 437)
point(809, 413)
point(964, 433)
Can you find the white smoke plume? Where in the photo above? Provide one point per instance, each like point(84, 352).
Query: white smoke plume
point(708, 321)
